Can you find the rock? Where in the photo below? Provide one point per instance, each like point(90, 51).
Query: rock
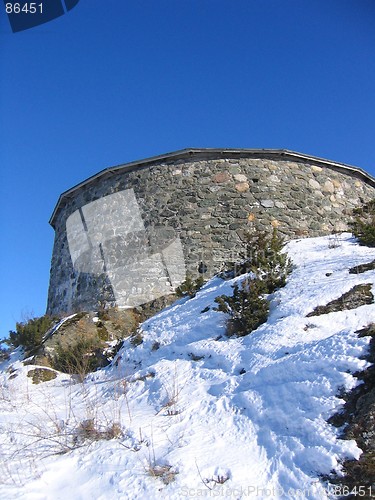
point(328, 187)
point(280, 204)
point(39, 375)
point(221, 177)
point(267, 203)
point(240, 178)
point(340, 227)
point(362, 268)
point(251, 217)
point(314, 184)
point(357, 418)
point(314, 168)
point(318, 194)
point(242, 187)
point(273, 178)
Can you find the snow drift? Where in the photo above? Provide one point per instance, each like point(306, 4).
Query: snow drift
point(199, 414)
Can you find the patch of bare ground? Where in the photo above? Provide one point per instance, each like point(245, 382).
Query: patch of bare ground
point(357, 418)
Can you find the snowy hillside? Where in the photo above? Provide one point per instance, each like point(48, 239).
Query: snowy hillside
point(193, 413)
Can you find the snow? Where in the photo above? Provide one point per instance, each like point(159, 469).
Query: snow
point(233, 417)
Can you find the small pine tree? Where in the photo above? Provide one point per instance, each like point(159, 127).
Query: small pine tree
point(247, 309)
point(271, 265)
point(30, 334)
point(4, 353)
point(262, 256)
point(190, 287)
point(363, 226)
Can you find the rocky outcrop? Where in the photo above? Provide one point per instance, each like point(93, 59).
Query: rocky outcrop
point(357, 296)
point(357, 419)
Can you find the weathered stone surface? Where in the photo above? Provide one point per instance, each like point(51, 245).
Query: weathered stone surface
point(274, 178)
point(328, 187)
point(203, 201)
point(339, 226)
point(241, 187)
point(318, 194)
point(39, 375)
point(314, 184)
point(316, 169)
point(240, 178)
point(280, 204)
point(221, 177)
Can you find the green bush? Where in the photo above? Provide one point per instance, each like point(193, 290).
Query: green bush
point(363, 226)
point(4, 354)
point(247, 309)
point(262, 256)
point(268, 262)
point(30, 334)
point(189, 287)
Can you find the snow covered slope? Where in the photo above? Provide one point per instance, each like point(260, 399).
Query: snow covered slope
point(199, 414)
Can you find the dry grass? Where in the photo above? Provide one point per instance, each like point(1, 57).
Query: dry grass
point(163, 472)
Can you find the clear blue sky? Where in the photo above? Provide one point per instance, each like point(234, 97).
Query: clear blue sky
point(115, 80)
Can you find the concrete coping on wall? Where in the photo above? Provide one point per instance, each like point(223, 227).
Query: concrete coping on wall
point(212, 153)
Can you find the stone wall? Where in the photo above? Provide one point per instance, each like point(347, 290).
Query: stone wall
point(131, 233)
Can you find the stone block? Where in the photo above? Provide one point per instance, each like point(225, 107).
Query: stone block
point(314, 184)
point(328, 187)
point(240, 178)
point(316, 169)
point(280, 204)
point(242, 187)
point(267, 203)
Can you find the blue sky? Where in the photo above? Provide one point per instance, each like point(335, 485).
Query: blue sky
point(114, 81)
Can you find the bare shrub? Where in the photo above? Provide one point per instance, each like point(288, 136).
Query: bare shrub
point(79, 358)
point(88, 430)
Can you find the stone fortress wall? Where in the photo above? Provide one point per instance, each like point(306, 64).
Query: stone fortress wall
point(131, 233)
